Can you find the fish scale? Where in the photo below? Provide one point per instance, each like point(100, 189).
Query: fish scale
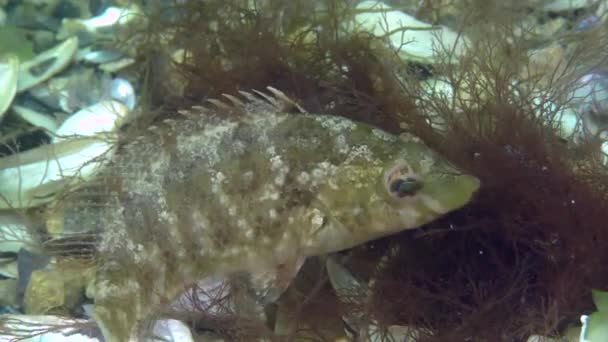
point(248, 186)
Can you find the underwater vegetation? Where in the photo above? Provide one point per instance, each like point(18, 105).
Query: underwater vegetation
point(524, 255)
point(521, 258)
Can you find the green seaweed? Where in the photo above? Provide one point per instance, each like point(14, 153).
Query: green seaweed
point(14, 41)
point(598, 321)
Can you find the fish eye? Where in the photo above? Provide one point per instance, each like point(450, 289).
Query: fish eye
point(401, 181)
point(402, 187)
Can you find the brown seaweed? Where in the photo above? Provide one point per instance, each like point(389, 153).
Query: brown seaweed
point(521, 259)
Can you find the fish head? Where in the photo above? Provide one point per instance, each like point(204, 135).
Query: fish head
point(397, 184)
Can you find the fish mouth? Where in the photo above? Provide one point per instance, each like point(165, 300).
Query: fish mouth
point(453, 196)
point(466, 188)
point(473, 183)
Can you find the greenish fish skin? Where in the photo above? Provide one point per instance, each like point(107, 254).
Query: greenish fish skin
point(254, 189)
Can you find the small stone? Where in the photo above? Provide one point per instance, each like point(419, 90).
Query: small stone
point(172, 330)
point(544, 63)
point(8, 292)
point(44, 293)
point(27, 263)
point(567, 5)
point(8, 267)
point(59, 287)
point(549, 29)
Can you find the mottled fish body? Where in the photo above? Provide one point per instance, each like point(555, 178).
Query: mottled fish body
point(249, 187)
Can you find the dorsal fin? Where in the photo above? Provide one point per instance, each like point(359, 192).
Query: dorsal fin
point(249, 96)
point(279, 95)
point(235, 100)
point(275, 98)
point(219, 104)
point(273, 101)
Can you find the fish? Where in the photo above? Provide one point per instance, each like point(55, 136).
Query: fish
point(251, 184)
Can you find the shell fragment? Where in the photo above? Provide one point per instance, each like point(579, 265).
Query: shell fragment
point(82, 145)
point(13, 232)
point(46, 64)
point(9, 71)
point(102, 117)
point(171, 330)
point(122, 90)
point(44, 329)
point(33, 177)
point(35, 118)
point(111, 18)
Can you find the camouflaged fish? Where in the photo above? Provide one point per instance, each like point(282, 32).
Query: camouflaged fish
point(251, 186)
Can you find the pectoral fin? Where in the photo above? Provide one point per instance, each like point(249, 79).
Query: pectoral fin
point(269, 285)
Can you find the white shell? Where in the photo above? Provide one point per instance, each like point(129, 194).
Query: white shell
point(13, 232)
point(25, 325)
point(82, 145)
point(9, 72)
point(33, 177)
point(592, 93)
point(411, 38)
point(102, 117)
point(98, 56)
point(171, 330)
point(106, 21)
point(8, 268)
point(111, 16)
point(567, 5)
point(35, 118)
point(121, 90)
